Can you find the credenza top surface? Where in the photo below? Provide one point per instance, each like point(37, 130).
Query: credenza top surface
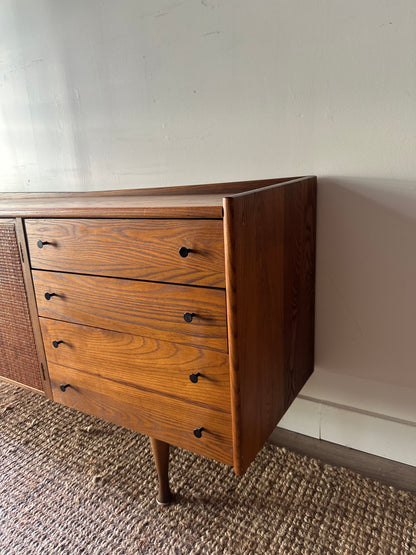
point(201, 206)
point(194, 201)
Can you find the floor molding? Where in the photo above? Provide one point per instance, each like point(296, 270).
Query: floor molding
point(391, 473)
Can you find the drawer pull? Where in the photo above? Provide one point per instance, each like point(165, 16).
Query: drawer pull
point(198, 432)
point(183, 251)
point(188, 317)
point(56, 343)
point(63, 387)
point(194, 377)
point(40, 243)
point(48, 296)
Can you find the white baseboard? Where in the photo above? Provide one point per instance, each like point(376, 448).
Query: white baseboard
point(375, 418)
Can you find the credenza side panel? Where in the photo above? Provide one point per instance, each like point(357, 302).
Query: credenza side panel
point(18, 354)
point(299, 284)
point(270, 282)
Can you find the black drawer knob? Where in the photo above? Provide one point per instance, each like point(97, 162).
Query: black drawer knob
point(48, 296)
point(63, 387)
point(183, 251)
point(56, 343)
point(194, 377)
point(40, 243)
point(198, 432)
point(188, 317)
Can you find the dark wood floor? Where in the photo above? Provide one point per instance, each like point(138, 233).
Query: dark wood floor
point(386, 471)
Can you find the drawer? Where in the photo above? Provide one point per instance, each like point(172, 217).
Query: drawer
point(18, 350)
point(140, 362)
point(150, 309)
point(138, 249)
point(162, 417)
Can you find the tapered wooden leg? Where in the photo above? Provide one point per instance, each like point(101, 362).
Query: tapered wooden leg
point(161, 455)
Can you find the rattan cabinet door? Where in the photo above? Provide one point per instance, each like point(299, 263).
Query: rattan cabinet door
point(18, 356)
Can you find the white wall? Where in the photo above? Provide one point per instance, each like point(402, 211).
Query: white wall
point(100, 94)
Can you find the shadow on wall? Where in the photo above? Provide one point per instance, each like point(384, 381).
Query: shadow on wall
point(366, 279)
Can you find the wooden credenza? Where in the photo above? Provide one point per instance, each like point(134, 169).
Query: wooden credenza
point(184, 313)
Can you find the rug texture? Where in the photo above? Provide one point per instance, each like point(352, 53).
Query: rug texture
point(73, 484)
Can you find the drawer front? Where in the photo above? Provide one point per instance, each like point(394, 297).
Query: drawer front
point(149, 309)
point(162, 417)
point(143, 362)
point(139, 249)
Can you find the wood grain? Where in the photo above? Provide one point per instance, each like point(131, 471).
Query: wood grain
point(139, 249)
point(189, 191)
point(117, 206)
point(125, 274)
point(142, 308)
point(195, 201)
point(160, 366)
point(270, 273)
point(160, 451)
point(164, 418)
point(299, 285)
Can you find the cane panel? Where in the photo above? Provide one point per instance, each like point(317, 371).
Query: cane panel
point(18, 357)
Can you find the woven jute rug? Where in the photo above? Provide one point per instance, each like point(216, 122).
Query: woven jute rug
point(70, 483)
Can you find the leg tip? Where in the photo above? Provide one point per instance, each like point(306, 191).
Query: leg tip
point(163, 503)
point(165, 500)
